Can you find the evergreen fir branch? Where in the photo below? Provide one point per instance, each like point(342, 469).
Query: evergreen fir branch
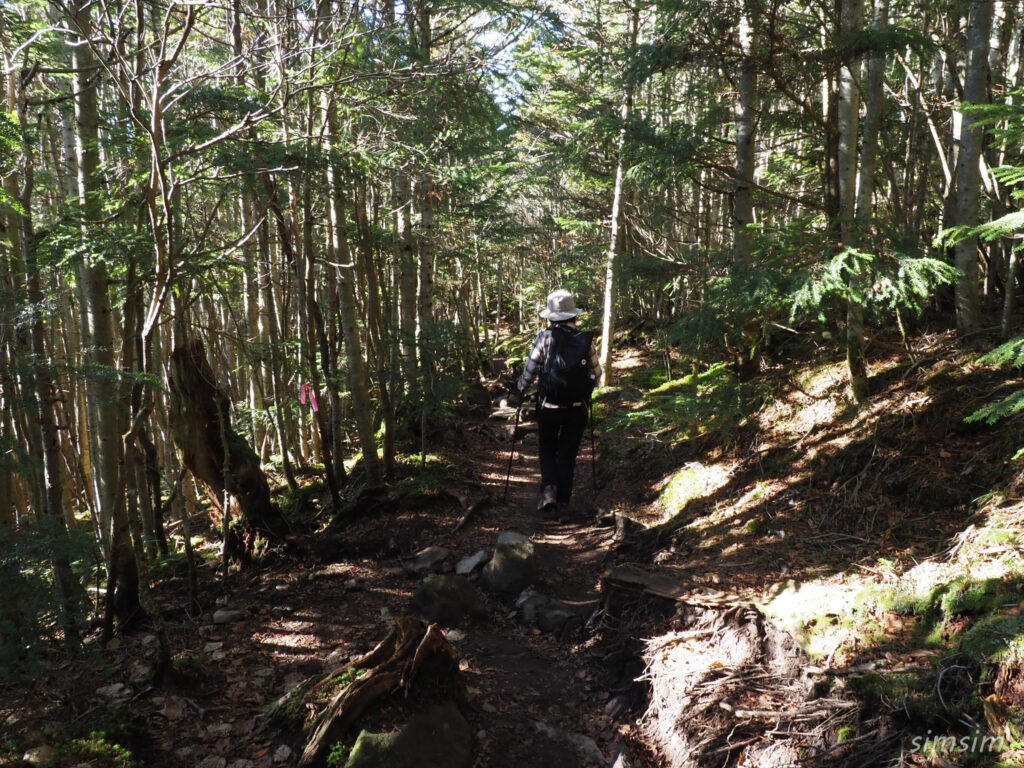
point(897, 282)
point(1009, 175)
point(1007, 353)
point(1009, 225)
point(1010, 405)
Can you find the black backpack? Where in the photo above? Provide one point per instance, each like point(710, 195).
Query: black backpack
point(566, 378)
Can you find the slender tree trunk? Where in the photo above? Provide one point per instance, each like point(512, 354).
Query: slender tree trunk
point(379, 344)
point(406, 262)
point(617, 235)
point(425, 287)
point(275, 372)
point(346, 271)
point(314, 327)
point(743, 181)
point(69, 592)
point(968, 173)
point(105, 419)
point(855, 199)
point(745, 116)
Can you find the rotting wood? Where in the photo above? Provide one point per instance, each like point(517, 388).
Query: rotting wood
point(477, 506)
point(201, 425)
point(666, 582)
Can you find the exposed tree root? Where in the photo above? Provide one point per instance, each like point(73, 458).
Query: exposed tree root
point(726, 687)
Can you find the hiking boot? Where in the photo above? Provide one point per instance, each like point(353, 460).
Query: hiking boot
point(562, 512)
point(548, 499)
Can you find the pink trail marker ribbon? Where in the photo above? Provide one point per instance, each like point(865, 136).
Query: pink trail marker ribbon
point(307, 389)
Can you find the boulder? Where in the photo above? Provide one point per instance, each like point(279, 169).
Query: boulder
point(469, 564)
point(447, 600)
point(438, 737)
point(512, 568)
point(429, 560)
point(550, 615)
point(44, 756)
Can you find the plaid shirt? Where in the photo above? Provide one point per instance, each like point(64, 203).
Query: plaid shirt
point(539, 353)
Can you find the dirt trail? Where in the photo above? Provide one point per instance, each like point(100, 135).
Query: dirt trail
point(536, 699)
point(537, 696)
point(540, 698)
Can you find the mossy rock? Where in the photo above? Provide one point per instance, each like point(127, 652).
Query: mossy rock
point(438, 737)
point(448, 600)
point(993, 637)
point(512, 568)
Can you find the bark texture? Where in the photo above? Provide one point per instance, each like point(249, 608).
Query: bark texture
point(201, 423)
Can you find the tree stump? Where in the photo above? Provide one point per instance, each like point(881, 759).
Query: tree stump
point(411, 652)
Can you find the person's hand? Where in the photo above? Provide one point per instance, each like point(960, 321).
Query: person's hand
point(515, 398)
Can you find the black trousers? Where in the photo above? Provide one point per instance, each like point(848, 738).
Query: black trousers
point(560, 431)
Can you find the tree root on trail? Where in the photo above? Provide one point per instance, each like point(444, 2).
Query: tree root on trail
point(729, 684)
point(725, 686)
point(409, 649)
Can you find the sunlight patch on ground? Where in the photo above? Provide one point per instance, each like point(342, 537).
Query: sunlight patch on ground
point(923, 578)
point(693, 480)
point(631, 359)
point(761, 494)
point(816, 403)
point(816, 612)
point(799, 419)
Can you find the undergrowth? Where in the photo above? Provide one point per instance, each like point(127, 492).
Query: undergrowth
point(900, 524)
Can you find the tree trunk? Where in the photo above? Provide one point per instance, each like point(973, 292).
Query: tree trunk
point(379, 344)
point(425, 287)
point(200, 416)
point(743, 181)
point(43, 407)
point(745, 116)
point(616, 235)
point(848, 109)
point(406, 262)
point(968, 173)
point(266, 281)
point(346, 272)
point(313, 327)
point(104, 416)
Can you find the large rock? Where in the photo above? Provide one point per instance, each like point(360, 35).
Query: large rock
point(439, 737)
point(43, 756)
point(550, 615)
point(512, 568)
point(447, 600)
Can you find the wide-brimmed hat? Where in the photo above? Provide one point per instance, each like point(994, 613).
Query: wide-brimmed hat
point(560, 307)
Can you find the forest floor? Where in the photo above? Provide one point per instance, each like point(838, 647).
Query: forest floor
point(535, 699)
point(888, 540)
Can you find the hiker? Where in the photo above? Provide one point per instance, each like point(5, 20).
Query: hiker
point(565, 361)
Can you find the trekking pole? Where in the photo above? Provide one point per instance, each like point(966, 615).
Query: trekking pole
point(511, 453)
point(593, 450)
